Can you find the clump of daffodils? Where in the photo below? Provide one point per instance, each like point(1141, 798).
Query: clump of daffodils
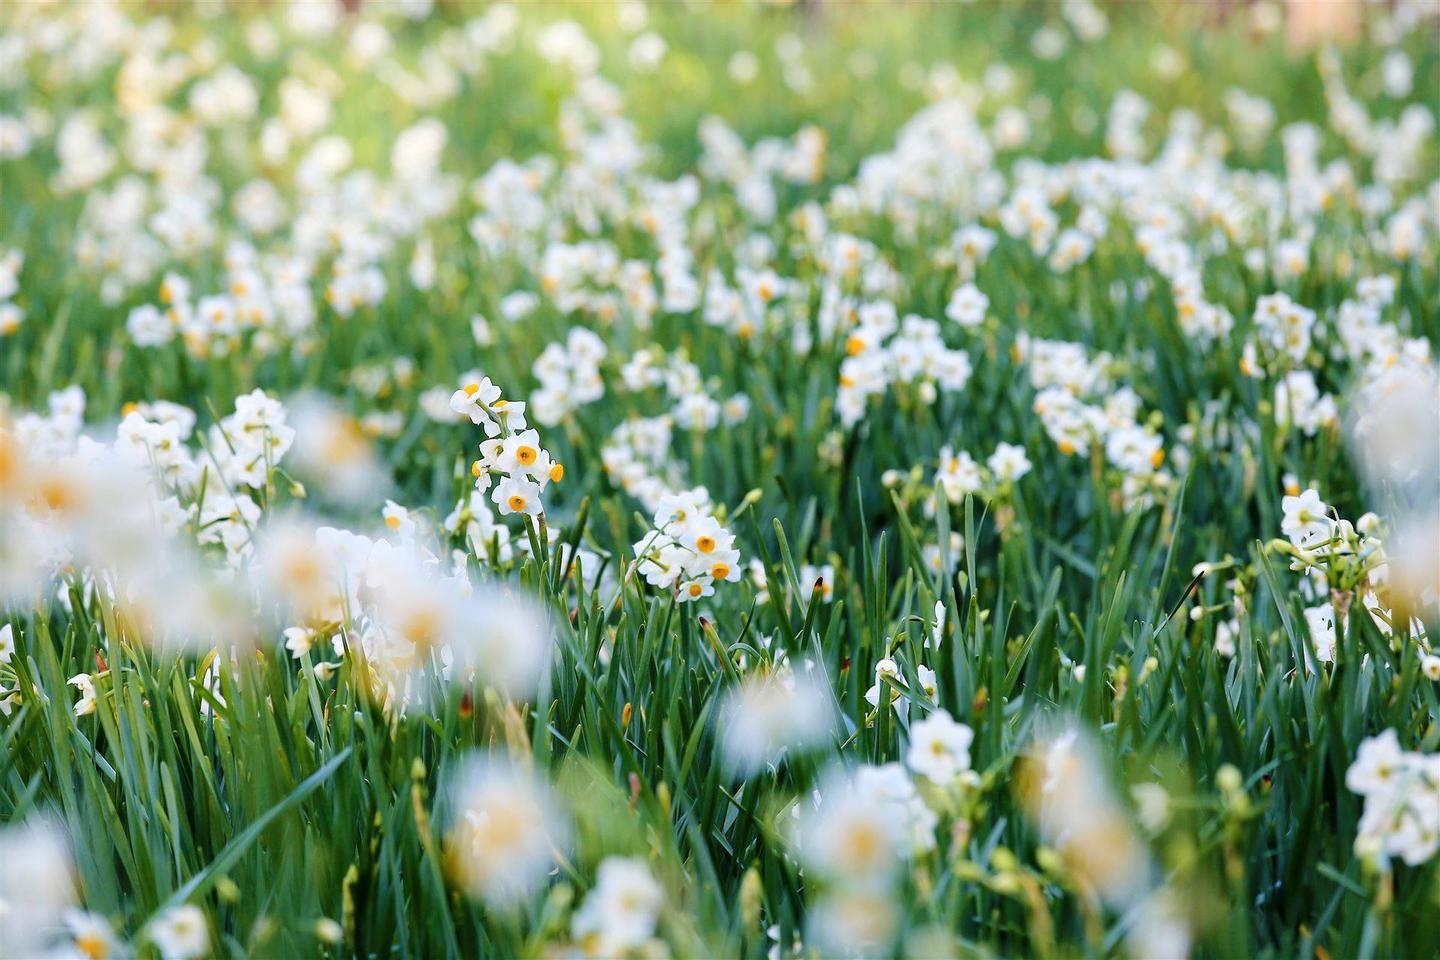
point(407, 622)
point(637, 459)
point(687, 550)
point(124, 519)
point(513, 465)
point(569, 375)
point(1344, 563)
point(884, 351)
point(1066, 793)
point(1082, 408)
point(863, 826)
point(1402, 801)
point(694, 409)
point(958, 475)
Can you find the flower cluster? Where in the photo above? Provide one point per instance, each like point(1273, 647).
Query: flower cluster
point(637, 460)
point(512, 459)
point(864, 825)
point(569, 376)
point(694, 408)
point(687, 551)
point(883, 351)
point(1064, 377)
point(267, 298)
point(1402, 800)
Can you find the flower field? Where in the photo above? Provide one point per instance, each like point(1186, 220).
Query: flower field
point(735, 480)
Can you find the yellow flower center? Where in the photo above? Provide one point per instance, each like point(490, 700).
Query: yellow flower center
point(720, 571)
point(526, 455)
point(705, 543)
point(422, 628)
point(56, 496)
point(696, 589)
point(471, 389)
point(92, 945)
point(393, 522)
point(865, 843)
point(557, 472)
point(517, 502)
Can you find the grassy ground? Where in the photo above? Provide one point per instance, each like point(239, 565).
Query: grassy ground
point(305, 813)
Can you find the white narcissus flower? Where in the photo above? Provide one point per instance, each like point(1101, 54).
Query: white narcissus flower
point(37, 886)
point(1402, 800)
point(853, 834)
point(399, 520)
point(1321, 621)
point(472, 399)
point(517, 495)
point(817, 582)
point(1306, 519)
point(1225, 633)
point(180, 932)
point(1008, 462)
point(298, 640)
point(620, 913)
point(1377, 765)
point(506, 829)
point(967, 306)
point(86, 704)
point(696, 589)
point(91, 934)
point(928, 683)
point(853, 920)
point(885, 668)
point(769, 715)
point(939, 748)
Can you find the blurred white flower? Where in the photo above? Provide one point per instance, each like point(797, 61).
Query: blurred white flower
point(768, 715)
point(37, 887)
point(504, 831)
point(1402, 800)
point(939, 748)
point(180, 933)
point(619, 913)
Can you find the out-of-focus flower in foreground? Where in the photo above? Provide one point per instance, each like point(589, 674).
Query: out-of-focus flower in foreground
point(504, 832)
